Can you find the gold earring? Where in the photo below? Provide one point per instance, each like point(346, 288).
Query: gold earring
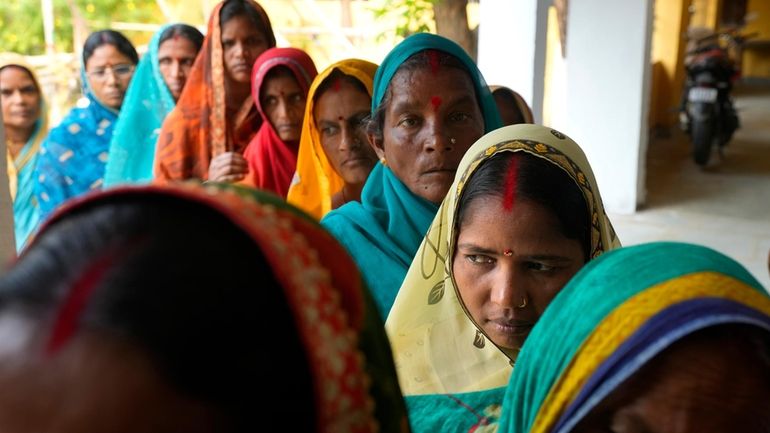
point(478, 340)
point(383, 161)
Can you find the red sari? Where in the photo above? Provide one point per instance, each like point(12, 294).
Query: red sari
point(272, 161)
point(198, 128)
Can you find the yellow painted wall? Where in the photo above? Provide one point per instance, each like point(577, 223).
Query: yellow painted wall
point(705, 12)
point(668, 46)
point(756, 56)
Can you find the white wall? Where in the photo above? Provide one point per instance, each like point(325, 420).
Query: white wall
point(512, 45)
point(607, 89)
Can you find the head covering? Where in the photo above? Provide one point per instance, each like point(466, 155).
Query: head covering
point(148, 101)
point(197, 128)
point(436, 345)
point(349, 360)
point(21, 169)
point(384, 230)
point(316, 180)
point(73, 157)
point(615, 316)
point(271, 160)
point(521, 104)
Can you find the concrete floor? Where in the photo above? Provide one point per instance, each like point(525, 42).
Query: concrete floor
point(725, 206)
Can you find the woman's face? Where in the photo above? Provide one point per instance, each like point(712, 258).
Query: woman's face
point(432, 118)
point(508, 265)
point(242, 43)
point(283, 102)
point(175, 60)
point(339, 113)
point(109, 71)
point(693, 387)
point(94, 385)
point(20, 98)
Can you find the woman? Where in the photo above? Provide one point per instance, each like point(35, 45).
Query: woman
point(430, 103)
point(615, 350)
point(25, 119)
point(335, 158)
point(215, 113)
point(73, 157)
point(524, 214)
point(512, 107)
point(157, 84)
point(99, 346)
point(280, 81)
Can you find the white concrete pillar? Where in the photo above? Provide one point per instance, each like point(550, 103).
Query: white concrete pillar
point(512, 47)
point(608, 79)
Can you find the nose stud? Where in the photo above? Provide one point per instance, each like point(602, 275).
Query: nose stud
point(523, 303)
point(452, 140)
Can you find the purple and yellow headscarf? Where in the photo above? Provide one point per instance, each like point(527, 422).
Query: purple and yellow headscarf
point(617, 314)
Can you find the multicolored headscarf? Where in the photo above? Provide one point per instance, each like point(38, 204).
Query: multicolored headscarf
point(148, 101)
point(615, 316)
point(197, 129)
point(349, 359)
point(21, 170)
point(272, 161)
point(316, 181)
point(384, 230)
point(521, 104)
point(72, 159)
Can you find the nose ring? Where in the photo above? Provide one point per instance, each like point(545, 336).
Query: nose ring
point(452, 140)
point(523, 303)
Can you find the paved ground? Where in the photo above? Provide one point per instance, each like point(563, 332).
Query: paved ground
point(726, 206)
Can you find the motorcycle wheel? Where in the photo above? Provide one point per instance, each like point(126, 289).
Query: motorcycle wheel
point(702, 137)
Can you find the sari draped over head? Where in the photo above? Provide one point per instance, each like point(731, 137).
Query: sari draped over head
point(272, 161)
point(348, 354)
point(614, 317)
point(148, 101)
point(316, 180)
point(521, 104)
point(438, 348)
point(71, 160)
point(384, 230)
point(21, 169)
point(198, 129)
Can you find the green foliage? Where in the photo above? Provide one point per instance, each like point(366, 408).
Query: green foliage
point(21, 21)
point(411, 16)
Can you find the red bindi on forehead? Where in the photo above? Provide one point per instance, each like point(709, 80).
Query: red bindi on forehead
point(509, 191)
point(435, 101)
point(337, 85)
point(340, 118)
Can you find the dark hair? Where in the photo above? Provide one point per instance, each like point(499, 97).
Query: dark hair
point(194, 310)
point(417, 61)
point(335, 77)
point(537, 180)
point(109, 37)
point(508, 98)
point(185, 31)
point(234, 8)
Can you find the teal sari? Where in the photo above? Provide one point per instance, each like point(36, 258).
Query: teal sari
point(384, 231)
point(148, 102)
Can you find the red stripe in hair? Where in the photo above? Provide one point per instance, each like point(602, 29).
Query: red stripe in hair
point(433, 61)
point(72, 308)
point(509, 192)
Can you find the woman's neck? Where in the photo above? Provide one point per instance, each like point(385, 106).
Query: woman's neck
point(236, 93)
point(16, 138)
point(352, 192)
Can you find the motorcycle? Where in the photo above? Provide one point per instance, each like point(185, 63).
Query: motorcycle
point(708, 113)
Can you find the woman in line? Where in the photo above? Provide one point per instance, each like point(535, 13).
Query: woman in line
point(522, 217)
point(157, 84)
point(215, 113)
point(99, 346)
point(661, 337)
point(25, 118)
point(430, 103)
point(335, 157)
point(512, 106)
point(73, 157)
point(280, 82)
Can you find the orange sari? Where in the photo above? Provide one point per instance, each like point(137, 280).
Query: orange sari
point(198, 129)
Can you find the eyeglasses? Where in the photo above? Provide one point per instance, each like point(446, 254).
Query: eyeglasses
point(120, 71)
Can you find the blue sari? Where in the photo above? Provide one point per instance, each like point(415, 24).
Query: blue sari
point(148, 101)
point(72, 159)
point(384, 231)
